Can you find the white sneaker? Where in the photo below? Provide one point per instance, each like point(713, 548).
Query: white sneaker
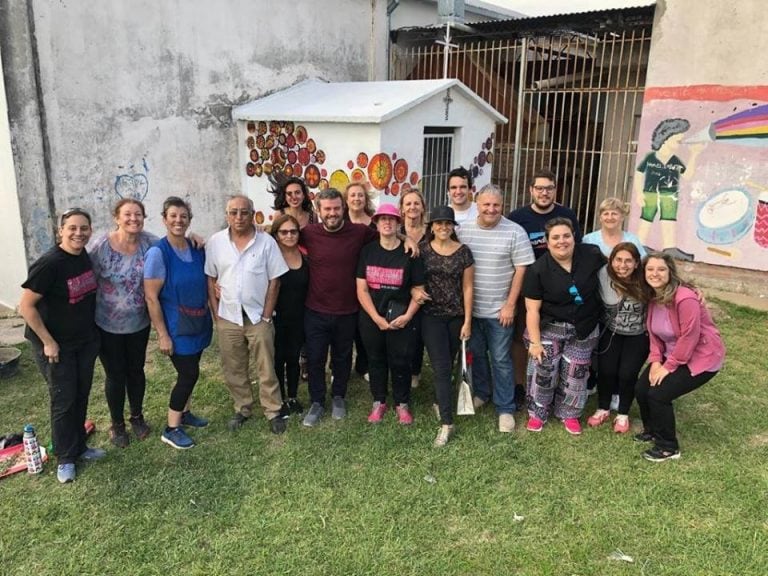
point(477, 402)
point(506, 423)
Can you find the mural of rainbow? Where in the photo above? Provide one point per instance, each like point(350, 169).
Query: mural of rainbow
point(747, 128)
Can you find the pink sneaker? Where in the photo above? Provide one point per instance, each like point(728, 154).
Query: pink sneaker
point(377, 413)
point(599, 418)
point(621, 424)
point(404, 415)
point(572, 426)
point(534, 424)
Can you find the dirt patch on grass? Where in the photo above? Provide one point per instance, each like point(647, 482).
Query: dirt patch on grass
point(759, 440)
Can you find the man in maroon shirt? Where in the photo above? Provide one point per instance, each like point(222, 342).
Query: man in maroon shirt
point(330, 318)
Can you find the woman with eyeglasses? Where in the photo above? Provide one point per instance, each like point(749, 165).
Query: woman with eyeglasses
point(289, 311)
point(563, 308)
point(686, 352)
point(59, 306)
point(623, 346)
point(176, 291)
point(292, 197)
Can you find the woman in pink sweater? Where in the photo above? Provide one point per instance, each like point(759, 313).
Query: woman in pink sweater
point(686, 352)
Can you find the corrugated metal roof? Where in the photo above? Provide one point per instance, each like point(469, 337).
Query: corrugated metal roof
point(353, 102)
point(590, 21)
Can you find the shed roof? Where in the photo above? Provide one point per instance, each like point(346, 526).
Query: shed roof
point(352, 102)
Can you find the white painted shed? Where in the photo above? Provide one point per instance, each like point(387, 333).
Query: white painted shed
point(395, 135)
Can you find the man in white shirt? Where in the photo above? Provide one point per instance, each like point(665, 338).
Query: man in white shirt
point(459, 187)
point(246, 265)
point(502, 252)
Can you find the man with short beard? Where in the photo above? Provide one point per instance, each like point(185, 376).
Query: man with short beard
point(333, 246)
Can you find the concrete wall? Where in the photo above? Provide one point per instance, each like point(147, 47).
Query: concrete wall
point(113, 98)
point(707, 84)
point(14, 264)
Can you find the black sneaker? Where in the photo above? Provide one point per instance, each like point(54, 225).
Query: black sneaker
point(277, 425)
point(285, 411)
point(294, 406)
point(139, 426)
point(118, 435)
point(656, 454)
point(644, 437)
point(236, 422)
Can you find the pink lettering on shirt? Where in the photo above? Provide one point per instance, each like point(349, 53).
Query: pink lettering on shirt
point(378, 277)
point(80, 286)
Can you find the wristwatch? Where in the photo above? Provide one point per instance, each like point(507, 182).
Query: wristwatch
point(267, 320)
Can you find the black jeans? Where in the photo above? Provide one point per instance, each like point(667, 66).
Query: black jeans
point(619, 361)
point(324, 331)
point(656, 402)
point(361, 356)
point(441, 338)
point(187, 373)
point(417, 344)
point(289, 338)
point(69, 384)
point(123, 357)
point(389, 352)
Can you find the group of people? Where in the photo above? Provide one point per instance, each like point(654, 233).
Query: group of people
point(392, 281)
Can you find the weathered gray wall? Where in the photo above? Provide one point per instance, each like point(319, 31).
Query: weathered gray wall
point(708, 42)
point(135, 96)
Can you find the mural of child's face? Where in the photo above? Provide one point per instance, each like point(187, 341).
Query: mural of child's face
point(673, 142)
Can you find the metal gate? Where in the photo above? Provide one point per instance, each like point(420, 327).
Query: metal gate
point(573, 102)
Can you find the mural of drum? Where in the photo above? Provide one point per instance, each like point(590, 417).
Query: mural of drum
point(725, 217)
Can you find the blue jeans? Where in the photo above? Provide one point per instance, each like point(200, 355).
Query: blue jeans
point(490, 345)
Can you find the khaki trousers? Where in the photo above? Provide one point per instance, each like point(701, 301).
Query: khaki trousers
point(239, 345)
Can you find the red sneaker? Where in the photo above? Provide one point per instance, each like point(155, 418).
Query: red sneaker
point(534, 424)
point(404, 415)
point(572, 426)
point(377, 413)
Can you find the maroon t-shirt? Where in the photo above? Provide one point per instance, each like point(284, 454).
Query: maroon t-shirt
point(333, 260)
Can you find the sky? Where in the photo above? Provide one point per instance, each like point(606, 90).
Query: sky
point(547, 7)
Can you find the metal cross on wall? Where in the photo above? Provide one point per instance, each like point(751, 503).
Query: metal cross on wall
point(447, 101)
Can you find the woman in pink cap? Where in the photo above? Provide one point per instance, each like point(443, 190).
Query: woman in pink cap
point(385, 276)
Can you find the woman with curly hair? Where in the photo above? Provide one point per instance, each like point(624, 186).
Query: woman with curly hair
point(292, 197)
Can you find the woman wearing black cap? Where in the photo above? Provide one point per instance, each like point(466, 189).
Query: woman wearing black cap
point(447, 307)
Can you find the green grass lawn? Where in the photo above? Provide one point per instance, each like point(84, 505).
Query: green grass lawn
point(351, 498)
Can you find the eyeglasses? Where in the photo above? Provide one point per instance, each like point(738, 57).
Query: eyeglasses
point(291, 232)
point(236, 213)
point(549, 188)
point(574, 292)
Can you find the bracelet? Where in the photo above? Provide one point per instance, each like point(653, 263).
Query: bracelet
point(535, 343)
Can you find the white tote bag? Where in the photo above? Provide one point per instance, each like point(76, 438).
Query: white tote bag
point(465, 407)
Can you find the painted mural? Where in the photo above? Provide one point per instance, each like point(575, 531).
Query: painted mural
point(700, 190)
point(281, 145)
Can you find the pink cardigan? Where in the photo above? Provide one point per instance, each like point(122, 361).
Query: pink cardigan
point(698, 342)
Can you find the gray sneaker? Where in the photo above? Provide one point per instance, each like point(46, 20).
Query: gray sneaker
point(339, 411)
point(313, 415)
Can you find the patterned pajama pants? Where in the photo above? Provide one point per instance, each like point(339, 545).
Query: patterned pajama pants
point(560, 380)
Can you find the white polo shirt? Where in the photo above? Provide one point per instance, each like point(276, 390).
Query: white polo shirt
point(243, 276)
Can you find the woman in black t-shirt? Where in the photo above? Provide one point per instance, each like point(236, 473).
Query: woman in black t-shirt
point(385, 276)
point(563, 308)
point(449, 271)
point(59, 306)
